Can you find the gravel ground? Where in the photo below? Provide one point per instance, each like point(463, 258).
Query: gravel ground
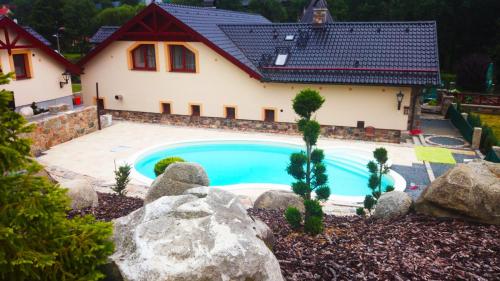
point(111, 206)
point(412, 248)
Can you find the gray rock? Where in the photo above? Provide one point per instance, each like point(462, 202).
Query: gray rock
point(204, 234)
point(468, 191)
point(26, 112)
point(279, 199)
point(82, 194)
point(264, 233)
point(392, 205)
point(176, 179)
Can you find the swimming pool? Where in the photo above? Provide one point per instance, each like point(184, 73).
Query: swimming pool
point(231, 163)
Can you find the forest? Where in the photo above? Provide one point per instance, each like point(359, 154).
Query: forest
point(465, 27)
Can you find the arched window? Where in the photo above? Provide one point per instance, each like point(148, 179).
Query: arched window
point(182, 59)
point(144, 57)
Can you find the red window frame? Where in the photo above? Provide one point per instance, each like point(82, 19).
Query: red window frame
point(269, 115)
point(26, 75)
point(184, 64)
point(144, 54)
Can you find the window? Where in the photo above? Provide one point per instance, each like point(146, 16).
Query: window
point(166, 108)
point(20, 66)
point(182, 59)
point(230, 112)
point(281, 59)
point(144, 57)
point(360, 125)
point(269, 115)
point(195, 110)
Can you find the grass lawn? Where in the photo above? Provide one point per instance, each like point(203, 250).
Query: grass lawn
point(493, 121)
point(73, 57)
point(76, 87)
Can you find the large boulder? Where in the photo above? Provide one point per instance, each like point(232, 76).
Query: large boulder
point(279, 199)
point(82, 194)
point(468, 191)
point(392, 205)
point(204, 234)
point(176, 179)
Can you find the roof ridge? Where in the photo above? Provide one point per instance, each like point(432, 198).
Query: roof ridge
point(208, 9)
point(327, 24)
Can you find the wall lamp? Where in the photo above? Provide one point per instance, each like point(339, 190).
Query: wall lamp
point(400, 97)
point(65, 79)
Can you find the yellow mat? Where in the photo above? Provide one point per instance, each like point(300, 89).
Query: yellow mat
point(434, 154)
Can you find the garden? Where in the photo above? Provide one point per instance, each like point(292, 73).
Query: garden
point(43, 238)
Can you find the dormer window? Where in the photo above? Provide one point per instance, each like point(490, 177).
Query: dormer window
point(182, 59)
point(144, 57)
point(281, 59)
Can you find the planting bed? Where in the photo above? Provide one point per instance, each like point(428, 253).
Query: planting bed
point(412, 248)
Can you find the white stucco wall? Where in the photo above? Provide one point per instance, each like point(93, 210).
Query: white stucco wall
point(219, 83)
point(44, 82)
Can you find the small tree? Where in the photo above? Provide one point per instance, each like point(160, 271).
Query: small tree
point(37, 241)
point(122, 177)
point(307, 167)
point(377, 169)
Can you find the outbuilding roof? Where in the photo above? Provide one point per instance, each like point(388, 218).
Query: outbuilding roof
point(386, 53)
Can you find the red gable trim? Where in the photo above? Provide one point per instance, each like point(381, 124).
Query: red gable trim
point(152, 8)
point(8, 23)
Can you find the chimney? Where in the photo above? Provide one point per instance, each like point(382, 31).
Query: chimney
point(319, 16)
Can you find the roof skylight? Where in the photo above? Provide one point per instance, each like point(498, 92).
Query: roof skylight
point(281, 59)
point(289, 37)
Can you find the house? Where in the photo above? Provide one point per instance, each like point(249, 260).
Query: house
point(41, 75)
point(5, 10)
point(215, 65)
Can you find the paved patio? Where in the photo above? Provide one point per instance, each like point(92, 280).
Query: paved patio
point(95, 155)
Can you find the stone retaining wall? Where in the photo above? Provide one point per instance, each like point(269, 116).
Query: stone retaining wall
point(56, 129)
point(340, 132)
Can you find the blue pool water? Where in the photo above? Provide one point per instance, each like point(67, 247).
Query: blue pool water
point(236, 163)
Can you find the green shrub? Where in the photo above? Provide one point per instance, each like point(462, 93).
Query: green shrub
point(122, 177)
point(360, 211)
point(474, 120)
point(314, 225)
point(162, 165)
point(293, 217)
point(313, 208)
point(37, 241)
point(433, 102)
point(389, 188)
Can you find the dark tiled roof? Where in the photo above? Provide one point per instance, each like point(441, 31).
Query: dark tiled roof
point(400, 53)
point(103, 33)
point(307, 17)
point(37, 35)
point(206, 20)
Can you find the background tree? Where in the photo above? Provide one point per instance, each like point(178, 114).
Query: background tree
point(471, 73)
point(229, 5)
point(115, 16)
point(78, 15)
point(47, 18)
point(37, 241)
point(270, 9)
point(307, 167)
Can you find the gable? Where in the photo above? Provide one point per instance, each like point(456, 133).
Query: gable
point(168, 22)
point(15, 37)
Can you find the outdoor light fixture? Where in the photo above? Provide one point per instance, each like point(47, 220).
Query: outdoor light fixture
point(400, 97)
point(65, 77)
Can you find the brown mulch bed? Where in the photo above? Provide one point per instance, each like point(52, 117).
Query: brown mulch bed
point(111, 206)
point(412, 248)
